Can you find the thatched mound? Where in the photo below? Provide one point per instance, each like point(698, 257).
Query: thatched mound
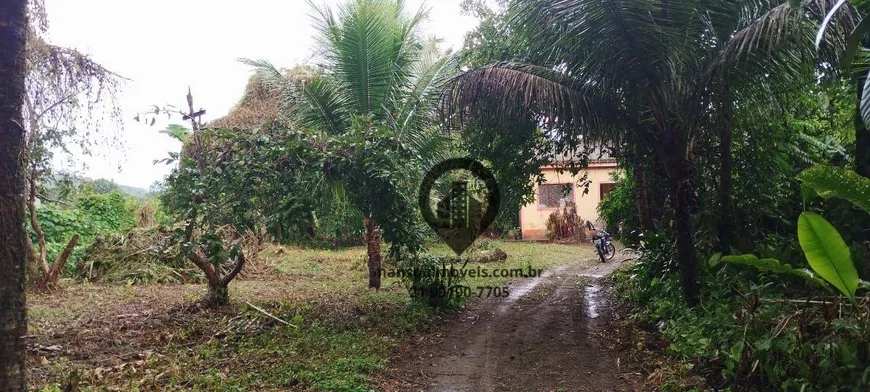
point(258, 105)
point(261, 103)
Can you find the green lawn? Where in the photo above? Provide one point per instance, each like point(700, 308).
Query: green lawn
point(339, 335)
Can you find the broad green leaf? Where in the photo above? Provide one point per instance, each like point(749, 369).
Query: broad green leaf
point(830, 181)
point(715, 259)
point(773, 265)
point(177, 132)
point(827, 253)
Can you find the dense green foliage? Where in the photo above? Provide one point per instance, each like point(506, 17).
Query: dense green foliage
point(358, 137)
point(617, 209)
point(748, 335)
point(751, 332)
point(87, 214)
point(714, 115)
point(767, 320)
point(370, 117)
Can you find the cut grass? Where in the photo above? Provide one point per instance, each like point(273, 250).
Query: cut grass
point(151, 338)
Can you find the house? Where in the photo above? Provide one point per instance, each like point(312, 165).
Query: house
point(563, 187)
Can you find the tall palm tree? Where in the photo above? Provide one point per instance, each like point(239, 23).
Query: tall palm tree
point(13, 316)
point(648, 72)
point(371, 111)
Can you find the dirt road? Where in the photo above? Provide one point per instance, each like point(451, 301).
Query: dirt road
point(554, 333)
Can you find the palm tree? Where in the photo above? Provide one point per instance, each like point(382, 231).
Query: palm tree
point(13, 256)
point(370, 110)
point(648, 72)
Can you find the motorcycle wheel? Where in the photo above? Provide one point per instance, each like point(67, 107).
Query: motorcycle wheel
point(611, 251)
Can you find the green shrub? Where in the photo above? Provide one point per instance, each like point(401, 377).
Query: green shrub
point(748, 333)
point(108, 212)
point(90, 216)
point(424, 277)
point(617, 209)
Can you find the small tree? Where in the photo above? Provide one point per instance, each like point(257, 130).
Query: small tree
point(370, 114)
point(229, 182)
point(69, 98)
point(201, 240)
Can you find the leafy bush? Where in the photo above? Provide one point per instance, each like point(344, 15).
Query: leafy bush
point(750, 333)
point(747, 334)
point(90, 215)
point(424, 276)
point(617, 209)
point(110, 212)
point(823, 246)
point(337, 223)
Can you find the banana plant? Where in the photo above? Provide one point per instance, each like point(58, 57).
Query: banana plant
point(827, 253)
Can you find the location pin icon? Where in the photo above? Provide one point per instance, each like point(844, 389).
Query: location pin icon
point(459, 216)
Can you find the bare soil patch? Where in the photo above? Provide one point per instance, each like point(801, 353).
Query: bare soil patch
point(554, 333)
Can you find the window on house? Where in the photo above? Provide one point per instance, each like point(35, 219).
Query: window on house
point(606, 188)
point(551, 195)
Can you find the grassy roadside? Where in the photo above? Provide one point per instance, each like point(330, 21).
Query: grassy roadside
point(338, 333)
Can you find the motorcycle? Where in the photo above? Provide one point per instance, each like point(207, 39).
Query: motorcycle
point(602, 243)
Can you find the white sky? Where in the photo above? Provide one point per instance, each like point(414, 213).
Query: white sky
point(164, 46)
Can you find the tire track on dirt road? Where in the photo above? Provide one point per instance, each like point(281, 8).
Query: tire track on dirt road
point(554, 333)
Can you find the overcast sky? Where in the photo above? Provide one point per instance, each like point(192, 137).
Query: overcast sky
point(164, 46)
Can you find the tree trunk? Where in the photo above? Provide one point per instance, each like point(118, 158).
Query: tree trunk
point(41, 262)
point(641, 199)
point(725, 219)
point(50, 279)
point(655, 175)
point(217, 295)
point(13, 251)
point(373, 248)
point(682, 202)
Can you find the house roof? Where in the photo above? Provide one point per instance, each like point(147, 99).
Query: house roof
point(598, 156)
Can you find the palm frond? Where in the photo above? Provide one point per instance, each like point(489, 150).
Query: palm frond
point(366, 49)
point(790, 30)
point(640, 41)
point(323, 106)
point(514, 91)
point(328, 29)
point(418, 105)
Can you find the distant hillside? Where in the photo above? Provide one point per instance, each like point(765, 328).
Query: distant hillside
point(136, 192)
point(100, 185)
